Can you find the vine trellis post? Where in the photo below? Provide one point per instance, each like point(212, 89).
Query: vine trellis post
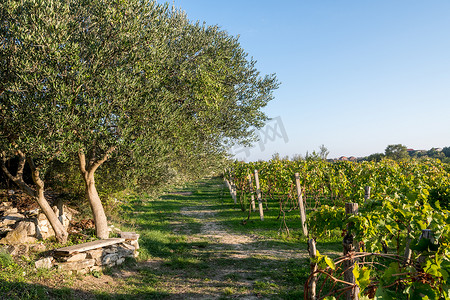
point(301, 204)
point(227, 182)
point(258, 195)
point(231, 185)
point(233, 188)
point(312, 284)
point(250, 183)
point(426, 234)
point(408, 252)
point(349, 250)
point(366, 193)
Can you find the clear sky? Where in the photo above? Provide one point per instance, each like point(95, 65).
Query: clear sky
point(355, 76)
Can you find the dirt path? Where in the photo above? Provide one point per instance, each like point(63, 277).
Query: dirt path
point(237, 246)
point(213, 263)
point(239, 266)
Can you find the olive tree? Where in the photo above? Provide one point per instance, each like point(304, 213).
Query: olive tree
point(135, 81)
point(31, 68)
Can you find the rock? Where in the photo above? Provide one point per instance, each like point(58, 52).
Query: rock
point(45, 263)
point(129, 235)
point(71, 211)
point(64, 213)
point(95, 254)
point(38, 247)
point(4, 230)
point(13, 240)
point(125, 252)
point(76, 257)
point(29, 227)
point(11, 192)
point(72, 258)
point(76, 265)
point(82, 271)
point(127, 246)
point(135, 244)
point(110, 259)
point(11, 210)
point(11, 219)
point(96, 269)
point(32, 213)
point(114, 229)
point(120, 261)
point(110, 249)
point(18, 250)
point(42, 223)
point(22, 234)
point(65, 220)
point(60, 258)
point(44, 229)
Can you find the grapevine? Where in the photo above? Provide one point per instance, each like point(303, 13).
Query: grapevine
point(407, 197)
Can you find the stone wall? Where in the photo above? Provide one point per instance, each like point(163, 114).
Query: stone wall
point(26, 227)
point(85, 261)
point(20, 230)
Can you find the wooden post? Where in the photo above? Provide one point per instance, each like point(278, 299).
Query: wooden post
point(351, 208)
point(233, 191)
point(228, 184)
point(301, 205)
point(408, 252)
point(349, 249)
point(366, 193)
point(232, 187)
point(258, 195)
point(313, 267)
point(426, 234)
point(250, 183)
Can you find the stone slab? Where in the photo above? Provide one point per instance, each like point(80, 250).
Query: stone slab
point(76, 265)
point(76, 257)
point(88, 246)
point(129, 235)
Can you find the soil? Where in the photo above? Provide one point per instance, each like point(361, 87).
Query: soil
point(242, 246)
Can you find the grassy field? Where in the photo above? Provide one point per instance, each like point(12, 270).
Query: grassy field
point(194, 245)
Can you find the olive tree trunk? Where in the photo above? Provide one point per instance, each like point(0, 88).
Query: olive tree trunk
point(60, 232)
point(38, 194)
point(87, 170)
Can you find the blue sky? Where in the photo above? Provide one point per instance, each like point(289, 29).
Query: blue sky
point(355, 76)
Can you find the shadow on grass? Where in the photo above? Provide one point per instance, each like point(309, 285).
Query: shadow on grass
point(157, 216)
point(192, 262)
point(30, 291)
point(187, 259)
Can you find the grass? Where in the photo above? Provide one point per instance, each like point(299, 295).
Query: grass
point(272, 227)
point(177, 261)
point(266, 276)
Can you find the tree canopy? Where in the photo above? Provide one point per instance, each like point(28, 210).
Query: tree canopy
point(396, 152)
point(132, 80)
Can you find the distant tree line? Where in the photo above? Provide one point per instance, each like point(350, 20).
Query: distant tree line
point(399, 152)
point(394, 152)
